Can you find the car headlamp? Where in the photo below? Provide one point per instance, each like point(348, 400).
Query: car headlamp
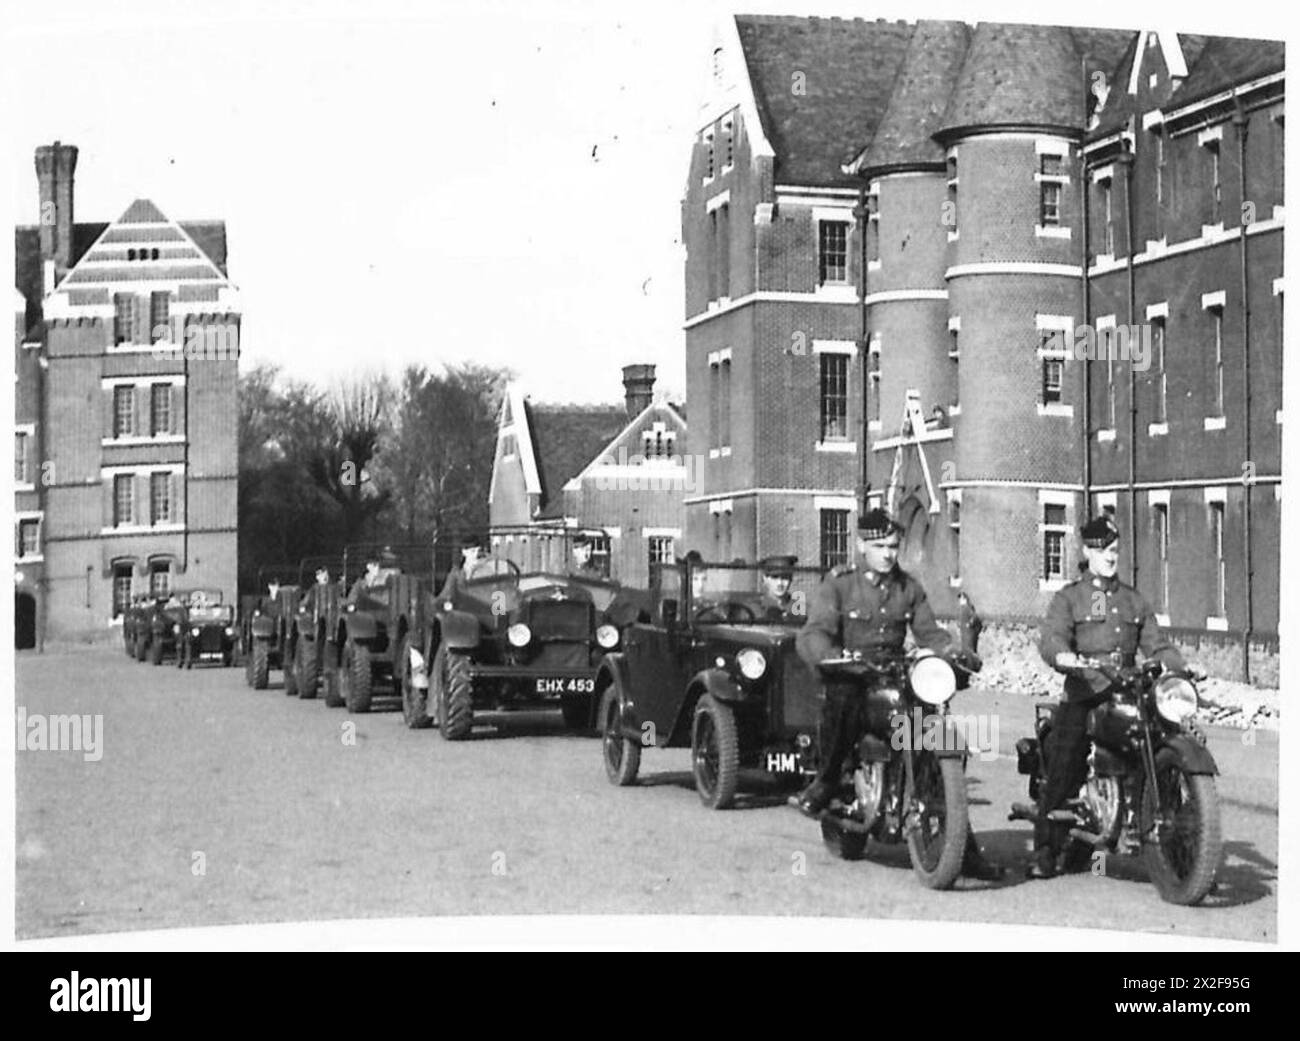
point(1176, 698)
point(194, 632)
point(751, 663)
point(519, 635)
point(606, 636)
point(230, 631)
point(176, 628)
point(932, 680)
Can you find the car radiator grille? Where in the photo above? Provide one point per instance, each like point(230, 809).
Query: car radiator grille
point(560, 621)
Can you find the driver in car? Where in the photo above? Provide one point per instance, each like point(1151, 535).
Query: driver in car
point(866, 608)
point(471, 555)
point(582, 566)
point(778, 605)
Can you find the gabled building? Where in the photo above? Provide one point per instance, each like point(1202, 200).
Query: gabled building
point(623, 470)
point(125, 458)
point(900, 237)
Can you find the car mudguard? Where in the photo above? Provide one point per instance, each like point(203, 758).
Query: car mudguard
point(459, 629)
point(720, 684)
point(614, 671)
point(362, 626)
point(1193, 757)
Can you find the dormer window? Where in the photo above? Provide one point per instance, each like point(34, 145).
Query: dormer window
point(658, 442)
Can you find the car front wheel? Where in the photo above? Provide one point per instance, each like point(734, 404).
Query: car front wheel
point(622, 755)
point(715, 753)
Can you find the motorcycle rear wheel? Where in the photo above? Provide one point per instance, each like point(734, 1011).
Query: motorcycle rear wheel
point(937, 842)
point(1182, 827)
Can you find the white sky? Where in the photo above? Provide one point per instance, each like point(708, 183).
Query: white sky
point(408, 181)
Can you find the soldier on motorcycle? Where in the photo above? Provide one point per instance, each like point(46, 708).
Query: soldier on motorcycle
point(1096, 616)
point(866, 607)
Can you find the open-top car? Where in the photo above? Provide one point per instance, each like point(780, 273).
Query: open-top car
point(265, 621)
point(208, 631)
point(714, 669)
point(506, 633)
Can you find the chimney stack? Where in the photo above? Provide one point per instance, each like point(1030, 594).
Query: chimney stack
point(55, 166)
point(638, 388)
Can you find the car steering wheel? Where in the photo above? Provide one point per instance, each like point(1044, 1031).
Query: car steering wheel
point(724, 612)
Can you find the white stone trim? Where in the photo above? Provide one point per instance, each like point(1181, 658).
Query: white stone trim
point(747, 493)
point(722, 198)
point(1216, 493)
point(838, 214)
point(837, 447)
point(1051, 146)
point(1107, 499)
point(1051, 585)
point(891, 295)
point(1277, 287)
point(954, 324)
point(1051, 231)
point(649, 533)
point(1056, 408)
point(1106, 435)
point(717, 506)
point(1103, 173)
point(109, 382)
point(1055, 497)
point(835, 502)
point(1062, 322)
point(1104, 321)
point(837, 293)
point(173, 528)
point(1216, 624)
point(136, 441)
point(1158, 497)
point(835, 347)
point(1157, 429)
point(1160, 310)
point(1215, 422)
point(1154, 118)
point(1215, 299)
point(141, 468)
point(1214, 133)
point(1014, 268)
point(1162, 620)
point(1191, 482)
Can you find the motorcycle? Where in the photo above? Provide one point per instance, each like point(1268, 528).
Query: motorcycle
point(905, 776)
point(1150, 784)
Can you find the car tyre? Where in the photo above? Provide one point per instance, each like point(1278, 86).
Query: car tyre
point(307, 668)
point(330, 687)
point(355, 677)
point(290, 675)
point(455, 695)
point(415, 702)
point(715, 753)
point(621, 754)
point(156, 652)
point(260, 665)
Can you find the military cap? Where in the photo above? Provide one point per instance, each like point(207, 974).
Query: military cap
point(693, 557)
point(471, 541)
point(780, 566)
point(1099, 532)
point(877, 524)
point(387, 557)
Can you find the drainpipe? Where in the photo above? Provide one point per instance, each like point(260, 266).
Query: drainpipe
point(1126, 159)
point(860, 215)
point(1239, 120)
point(185, 472)
point(1086, 374)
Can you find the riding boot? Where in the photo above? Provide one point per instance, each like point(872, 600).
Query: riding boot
point(1042, 862)
point(975, 865)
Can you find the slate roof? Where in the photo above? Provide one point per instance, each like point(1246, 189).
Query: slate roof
point(849, 67)
point(1228, 60)
point(1030, 75)
point(920, 97)
point(565, 439)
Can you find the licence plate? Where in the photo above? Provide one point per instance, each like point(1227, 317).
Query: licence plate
point(561, 685)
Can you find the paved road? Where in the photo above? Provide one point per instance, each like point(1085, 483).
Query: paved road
point(216, 804)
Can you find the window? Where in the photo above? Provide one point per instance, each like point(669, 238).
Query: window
point(834, 396)
point(729, 131)
point(1216, 555)
point(713, 255)
point(834, 538)
point(1216, 378)
point(123, 411)
point(658, 442)
point(508, 446)
point(954, 532)
point(123, 500)
point(661, 550)
point(124, 311)
point(29, 538)
point(832, 252)
point(160, 409)
point(600, 553)
point(873, 229)
point(160, 578)
point(1049, 207)
point(723, 213)
point(1216, 183)
point(1050, 165)
point(160, 498)
point(1161, 376)
point(1160, 184)
point(1053, 372)
point(709, 164)
point(1162, 555)
point(22, 462)
point(1054, 531)
point(159, 316)
point(720, 398)
point(954, 343)
point(1107, 219)
point(121, 588)
point(951, 215)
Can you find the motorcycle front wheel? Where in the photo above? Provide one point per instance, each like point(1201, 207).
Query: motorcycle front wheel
point(936, 838)
point(1181, 829)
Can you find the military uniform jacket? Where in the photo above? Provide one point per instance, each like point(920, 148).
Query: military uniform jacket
point(1097, 617)
point(856, 611)
point(776, 608)
point(453, 587)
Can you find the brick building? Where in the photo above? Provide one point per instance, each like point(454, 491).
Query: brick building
point(126, 344)
point(887, 292)
point(623, 470)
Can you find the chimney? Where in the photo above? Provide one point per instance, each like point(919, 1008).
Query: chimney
point(55, 166)
point(638, 388)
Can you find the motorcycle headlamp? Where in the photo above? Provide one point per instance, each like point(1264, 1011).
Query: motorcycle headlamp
point(751, 663)
point(932, 680)
point(1175, 698)
point(176, 628)
point(606, 636)
point(519, 635)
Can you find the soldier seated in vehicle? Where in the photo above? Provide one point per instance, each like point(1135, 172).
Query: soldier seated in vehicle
point(471, 556)
point(1096, 616)
point(582, 566)
point(866, 608)
point(778, 604)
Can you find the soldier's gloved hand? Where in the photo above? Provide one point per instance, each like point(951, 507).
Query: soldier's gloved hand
point(1069, 660)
